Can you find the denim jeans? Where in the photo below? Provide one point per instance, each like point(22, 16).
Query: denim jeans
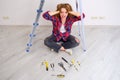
point(52, 43)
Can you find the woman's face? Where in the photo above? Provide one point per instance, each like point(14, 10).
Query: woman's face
point(63, 13)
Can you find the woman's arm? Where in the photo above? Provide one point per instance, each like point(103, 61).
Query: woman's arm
point(51, 13)
point(77, 15)
point(74, 13)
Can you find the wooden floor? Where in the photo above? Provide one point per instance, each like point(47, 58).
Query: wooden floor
point(101, 61)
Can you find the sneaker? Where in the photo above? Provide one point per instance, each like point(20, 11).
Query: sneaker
point(69, 51)
point(51, 49)
point(59, 43)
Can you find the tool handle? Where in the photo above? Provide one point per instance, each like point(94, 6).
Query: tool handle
point(64, 60)
point(61, 76)
point(47, 65)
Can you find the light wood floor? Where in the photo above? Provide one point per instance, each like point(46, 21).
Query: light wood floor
point(101, 61)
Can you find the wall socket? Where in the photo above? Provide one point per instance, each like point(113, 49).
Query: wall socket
point(97, 17)
point(6, 17)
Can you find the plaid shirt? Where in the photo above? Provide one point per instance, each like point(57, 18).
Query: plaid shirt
point(57, 24)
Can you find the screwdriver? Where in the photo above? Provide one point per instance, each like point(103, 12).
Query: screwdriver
point(66, 61)
point(73, 62)
point(59, 75)
point(47, 65)
point(78, 63)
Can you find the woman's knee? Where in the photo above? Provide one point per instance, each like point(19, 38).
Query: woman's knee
point(77, 41)
point(46, 41)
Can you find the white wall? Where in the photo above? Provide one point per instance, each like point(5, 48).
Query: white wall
point(102, 12)
point(23, 12)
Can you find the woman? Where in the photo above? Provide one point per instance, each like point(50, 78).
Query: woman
point(62, 20)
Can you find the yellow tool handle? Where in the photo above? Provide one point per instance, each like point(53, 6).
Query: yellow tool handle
point(47, 65)
point(78, 63)
point(60, 76)
point(73, 61)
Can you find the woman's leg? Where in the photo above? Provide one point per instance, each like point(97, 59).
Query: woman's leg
point(51, 43)
point(71, 42)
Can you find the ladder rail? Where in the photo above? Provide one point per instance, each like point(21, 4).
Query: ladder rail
point(35, 24)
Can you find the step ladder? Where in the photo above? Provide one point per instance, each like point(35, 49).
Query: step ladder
point(35, 24)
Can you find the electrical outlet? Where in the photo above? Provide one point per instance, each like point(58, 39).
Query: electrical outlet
point(94, 17)
point(101, 17)
point(97, 17)
point(6, 17)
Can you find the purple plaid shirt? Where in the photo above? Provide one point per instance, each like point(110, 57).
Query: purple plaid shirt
point(57, 24)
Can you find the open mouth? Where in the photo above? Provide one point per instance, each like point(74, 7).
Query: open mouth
point(63, 16)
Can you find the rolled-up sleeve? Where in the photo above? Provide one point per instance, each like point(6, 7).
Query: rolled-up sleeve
point(78, 18)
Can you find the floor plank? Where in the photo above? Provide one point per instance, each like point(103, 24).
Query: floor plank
point(99, 62)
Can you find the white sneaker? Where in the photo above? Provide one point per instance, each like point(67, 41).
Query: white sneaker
point(51, 49)
point(59, 43)
point(69, 51)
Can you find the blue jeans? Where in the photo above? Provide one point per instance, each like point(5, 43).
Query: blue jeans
point(52, 43)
